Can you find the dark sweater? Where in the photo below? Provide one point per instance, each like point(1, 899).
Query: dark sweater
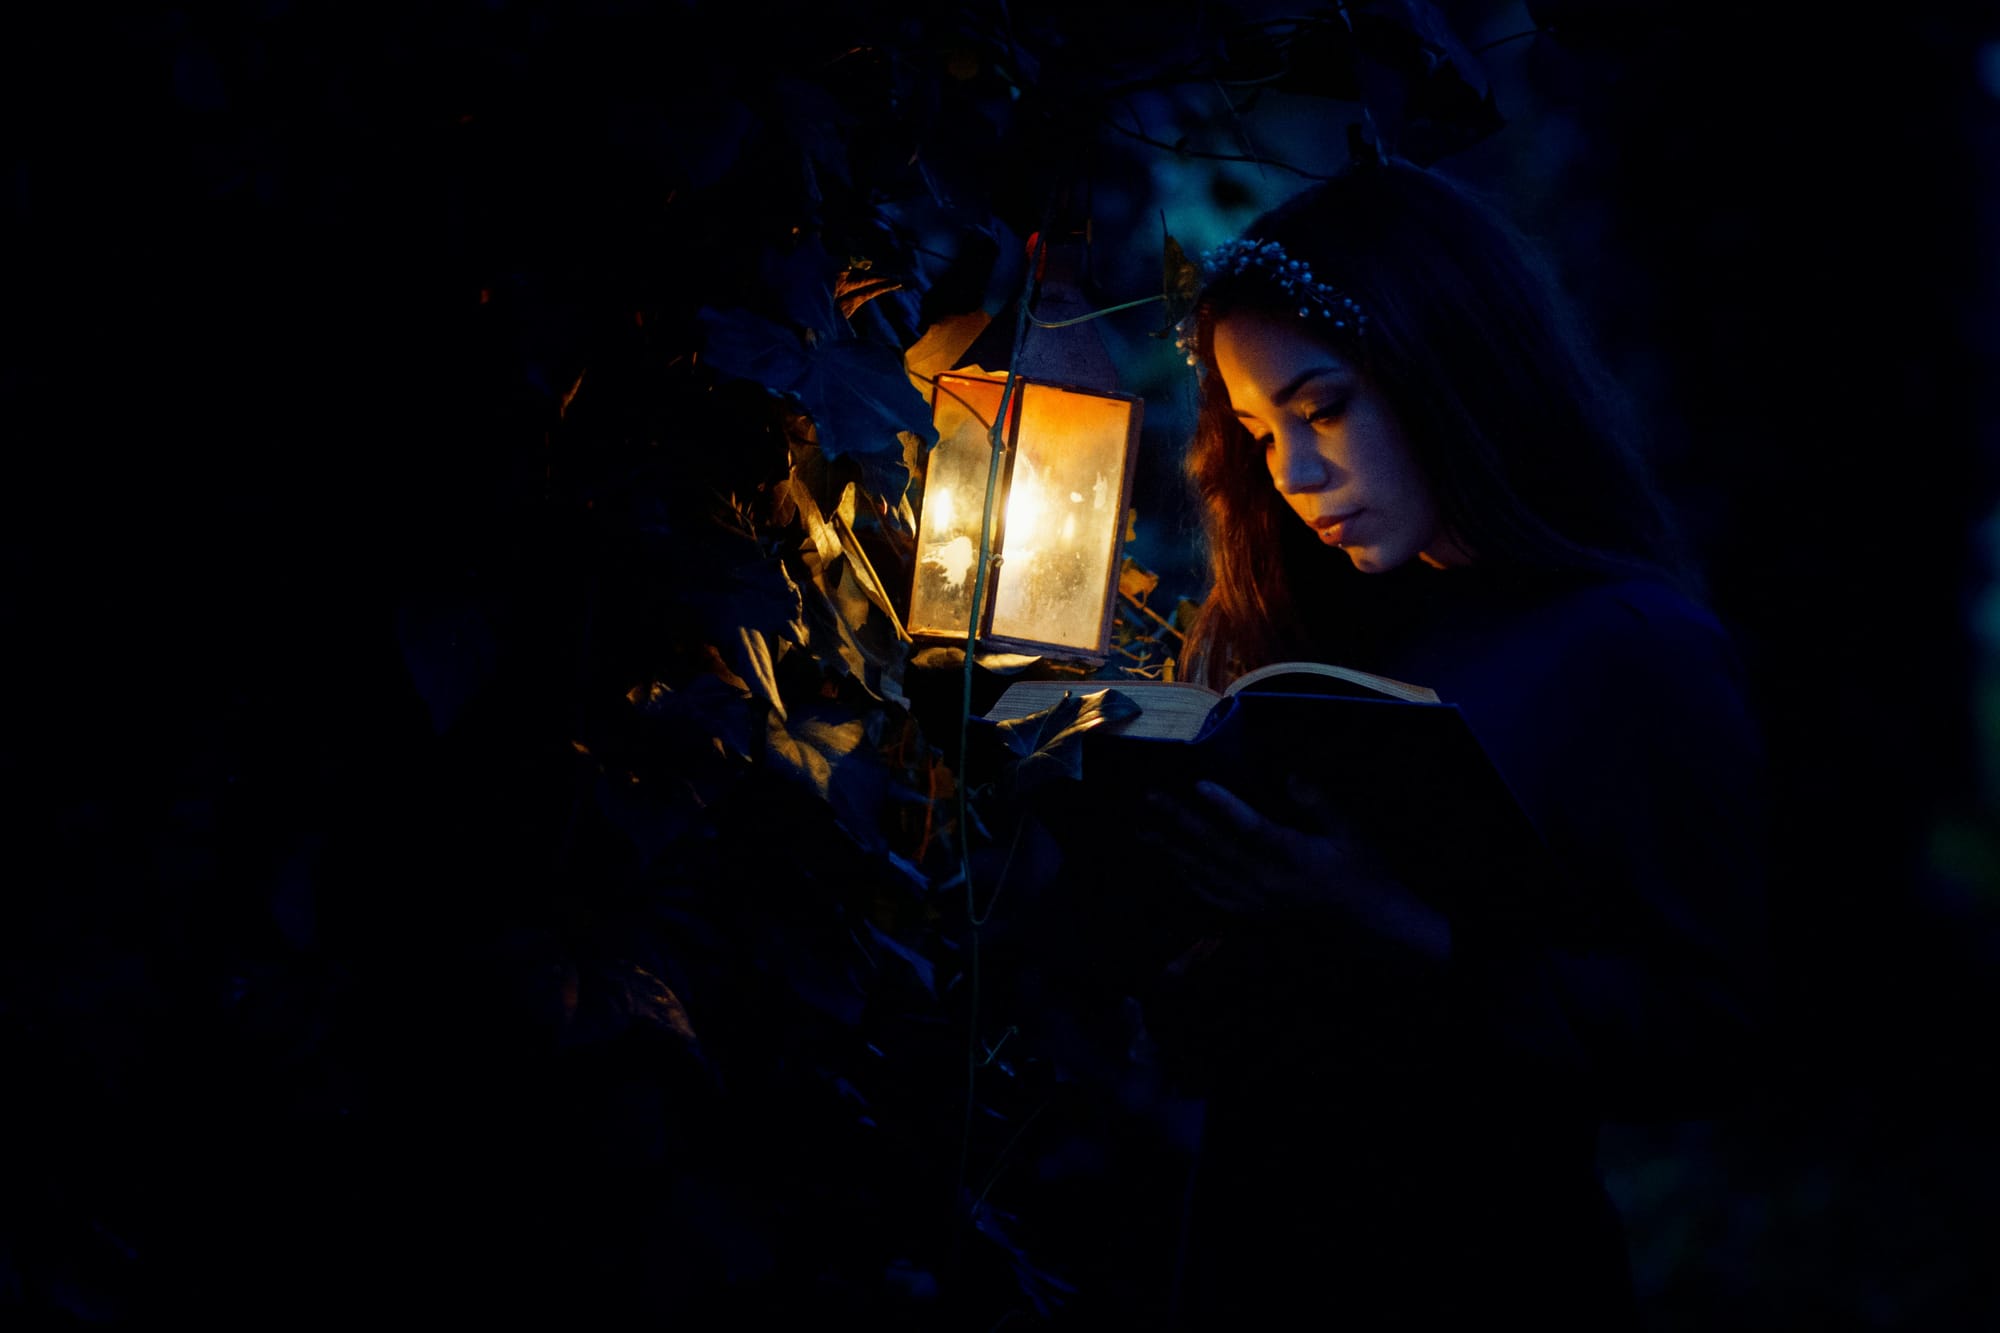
point(1411, 1146)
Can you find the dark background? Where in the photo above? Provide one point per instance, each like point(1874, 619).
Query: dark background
point(289, 289)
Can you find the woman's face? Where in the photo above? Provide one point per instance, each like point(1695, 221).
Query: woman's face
point(1334, 449)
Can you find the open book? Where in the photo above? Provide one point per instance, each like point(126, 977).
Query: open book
point(1181, 710)
point(1402, 767)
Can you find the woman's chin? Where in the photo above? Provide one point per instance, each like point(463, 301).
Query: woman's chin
point(1367, 559)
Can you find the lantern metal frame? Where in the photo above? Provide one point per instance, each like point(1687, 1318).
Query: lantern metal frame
point(1009, 454)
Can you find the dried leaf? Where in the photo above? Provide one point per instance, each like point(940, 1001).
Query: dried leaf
point(1135, 582)
point(650, 1000)
point(857, 287)
point(942, 344)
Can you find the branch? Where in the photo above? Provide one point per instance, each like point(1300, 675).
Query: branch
point(1155, 616)
point(1179, 151)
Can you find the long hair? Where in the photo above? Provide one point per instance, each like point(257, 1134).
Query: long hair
point(1527, 445)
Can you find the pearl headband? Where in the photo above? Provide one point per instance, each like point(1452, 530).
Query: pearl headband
point(1267, 259)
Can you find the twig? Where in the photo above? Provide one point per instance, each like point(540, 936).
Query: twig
point(1000, 1160)
point(1181, 151)
point(1155, 616)
point(1242, 130)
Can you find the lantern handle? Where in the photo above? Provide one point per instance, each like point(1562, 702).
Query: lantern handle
point(1095, 314)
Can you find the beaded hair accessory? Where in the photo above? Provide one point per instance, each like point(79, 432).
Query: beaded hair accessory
point(1267, 259)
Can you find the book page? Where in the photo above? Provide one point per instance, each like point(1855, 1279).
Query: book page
point(1397, 689)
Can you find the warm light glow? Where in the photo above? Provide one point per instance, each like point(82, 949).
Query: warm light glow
point(1068, 480)
point(1056, 547)
point(939, 509)
point(954, 560)
point(948, 529)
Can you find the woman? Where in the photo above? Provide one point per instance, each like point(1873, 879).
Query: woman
point(1409, 464)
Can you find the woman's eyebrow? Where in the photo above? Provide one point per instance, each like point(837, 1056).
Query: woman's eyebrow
point(1293, 385)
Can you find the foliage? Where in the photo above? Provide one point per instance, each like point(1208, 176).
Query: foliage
point(915, 151)
point(668, 893)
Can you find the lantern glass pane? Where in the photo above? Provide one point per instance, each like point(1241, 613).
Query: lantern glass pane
point(1064, 517)
point(954, 498)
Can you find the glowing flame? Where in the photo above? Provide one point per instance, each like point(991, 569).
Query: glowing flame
point(954, 558)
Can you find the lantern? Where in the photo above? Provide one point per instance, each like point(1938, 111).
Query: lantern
point(1066, 455)
point(1066, 460)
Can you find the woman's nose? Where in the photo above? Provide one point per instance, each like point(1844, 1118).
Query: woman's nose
point(1297, 466)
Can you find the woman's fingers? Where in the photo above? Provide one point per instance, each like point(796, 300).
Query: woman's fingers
point(1214, 860)
point(1239, 814)
point(1199, 873)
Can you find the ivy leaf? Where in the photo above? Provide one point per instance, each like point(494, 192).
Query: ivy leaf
point(751, 347)
point(829, 751)
point(1049, 745)
point(856, 392)
point(803, 278)
point(743, 606)
point(859, 397)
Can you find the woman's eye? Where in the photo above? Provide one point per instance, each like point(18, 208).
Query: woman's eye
point(1332, 411)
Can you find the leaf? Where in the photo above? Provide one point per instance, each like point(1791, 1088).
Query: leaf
point(748, 652)
point(857, 287)
point(945, 657)
point(647, 999)
point(942, 344)
point(919, 965)
point(450, 653)
point(827, 749)
point(850, 633)
point(751, 347)
point(1180, 281)
point(857, 392)
point(710, 713)
point(822, 540)
point(1049, 744)
point(1136, 582)
point(803, 278)
point(741, 608)
point(860, 397)
point(1431, 28)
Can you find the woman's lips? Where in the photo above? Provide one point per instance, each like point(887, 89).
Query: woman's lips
point(1332, 528)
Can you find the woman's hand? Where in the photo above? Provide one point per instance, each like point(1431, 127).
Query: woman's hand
point(1236, 859)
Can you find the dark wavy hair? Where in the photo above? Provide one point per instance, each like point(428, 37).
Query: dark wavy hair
point(1528, 446)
